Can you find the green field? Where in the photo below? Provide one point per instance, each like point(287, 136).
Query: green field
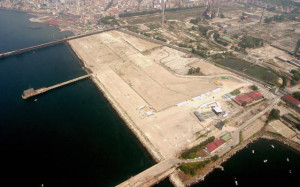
point(250, 69)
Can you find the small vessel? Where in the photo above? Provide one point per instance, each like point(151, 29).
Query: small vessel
point(290, 171)
point(236, 182)
point(35, 99)
point(265, 161)
point(272, 146)
point(287, 159)
point(253, 151)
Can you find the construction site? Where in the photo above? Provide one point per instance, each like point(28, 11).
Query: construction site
point(145, 81)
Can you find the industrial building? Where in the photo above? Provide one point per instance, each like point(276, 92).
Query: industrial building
point(248, 97)
point(291, 101)
point(217, 143)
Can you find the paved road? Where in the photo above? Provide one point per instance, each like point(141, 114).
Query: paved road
point(154, 174)
point(236, 134)
point(157, 172)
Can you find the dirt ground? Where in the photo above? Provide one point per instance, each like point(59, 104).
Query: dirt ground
point(253, 127)
point(269, 54)
point(148, 91)
point(282, 129)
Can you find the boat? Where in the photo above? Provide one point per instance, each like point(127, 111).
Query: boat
point(236, 182)
point(35, 99)
point(265, 161)
point(290, 171)
point(252, 151)
point(272, 146)
point(287, 159)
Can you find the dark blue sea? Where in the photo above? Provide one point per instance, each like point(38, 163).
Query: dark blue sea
point(72, 137)
point(68, 137)
point(250, 170)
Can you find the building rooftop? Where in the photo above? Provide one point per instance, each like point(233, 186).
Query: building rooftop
point(215, 144)
point(255, 95)
point(292, 99)
point(248, 97)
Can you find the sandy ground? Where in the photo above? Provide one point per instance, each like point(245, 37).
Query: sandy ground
point(253, 127)
point(282, 129)
point(140, 84)
point(269, 54)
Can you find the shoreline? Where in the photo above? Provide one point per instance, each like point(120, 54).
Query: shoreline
point(218, 164)
point(149, 146)
point(123, 115)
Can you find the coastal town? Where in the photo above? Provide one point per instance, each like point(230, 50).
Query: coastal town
point(195, 81)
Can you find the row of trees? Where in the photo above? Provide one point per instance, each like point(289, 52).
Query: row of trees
point(193, 71)
point(200, 53)
point(192, 168)
point(191, 153)
point(280, 18)
point(296, 77)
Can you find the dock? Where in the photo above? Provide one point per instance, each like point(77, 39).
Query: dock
point(32, 92)
point(19, 51)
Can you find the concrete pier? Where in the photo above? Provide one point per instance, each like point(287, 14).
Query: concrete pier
point(31, 92)
point(18, 51)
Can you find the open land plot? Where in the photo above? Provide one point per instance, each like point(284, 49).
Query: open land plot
point(135, 79)
point(259, 72)
point(282, 129)
point(269, 54)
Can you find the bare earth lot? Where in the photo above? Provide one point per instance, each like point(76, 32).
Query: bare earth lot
point(140, 83)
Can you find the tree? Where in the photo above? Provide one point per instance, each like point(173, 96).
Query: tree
point(296, 95)
point(191, 71)
point(253, 87)
point(284, 82)
point(222, 15)
point(197, 70)
point(275, 114)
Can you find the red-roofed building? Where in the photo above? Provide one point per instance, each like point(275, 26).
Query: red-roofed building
point(213, 146)
point(255, 95)
point(248, 97)
point(293, 102)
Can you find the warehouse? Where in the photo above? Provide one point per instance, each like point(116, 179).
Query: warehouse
point(293, 102)
point(248, 97)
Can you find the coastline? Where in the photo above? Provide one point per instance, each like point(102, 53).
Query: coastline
point(218, 164)
point(148, 145)
point(130, 124)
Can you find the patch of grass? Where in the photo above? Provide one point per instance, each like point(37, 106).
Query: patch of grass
point(250, 69)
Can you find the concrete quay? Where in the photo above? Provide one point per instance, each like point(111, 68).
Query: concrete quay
point(31, 92)
point(154, 174)
point(18, 51)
